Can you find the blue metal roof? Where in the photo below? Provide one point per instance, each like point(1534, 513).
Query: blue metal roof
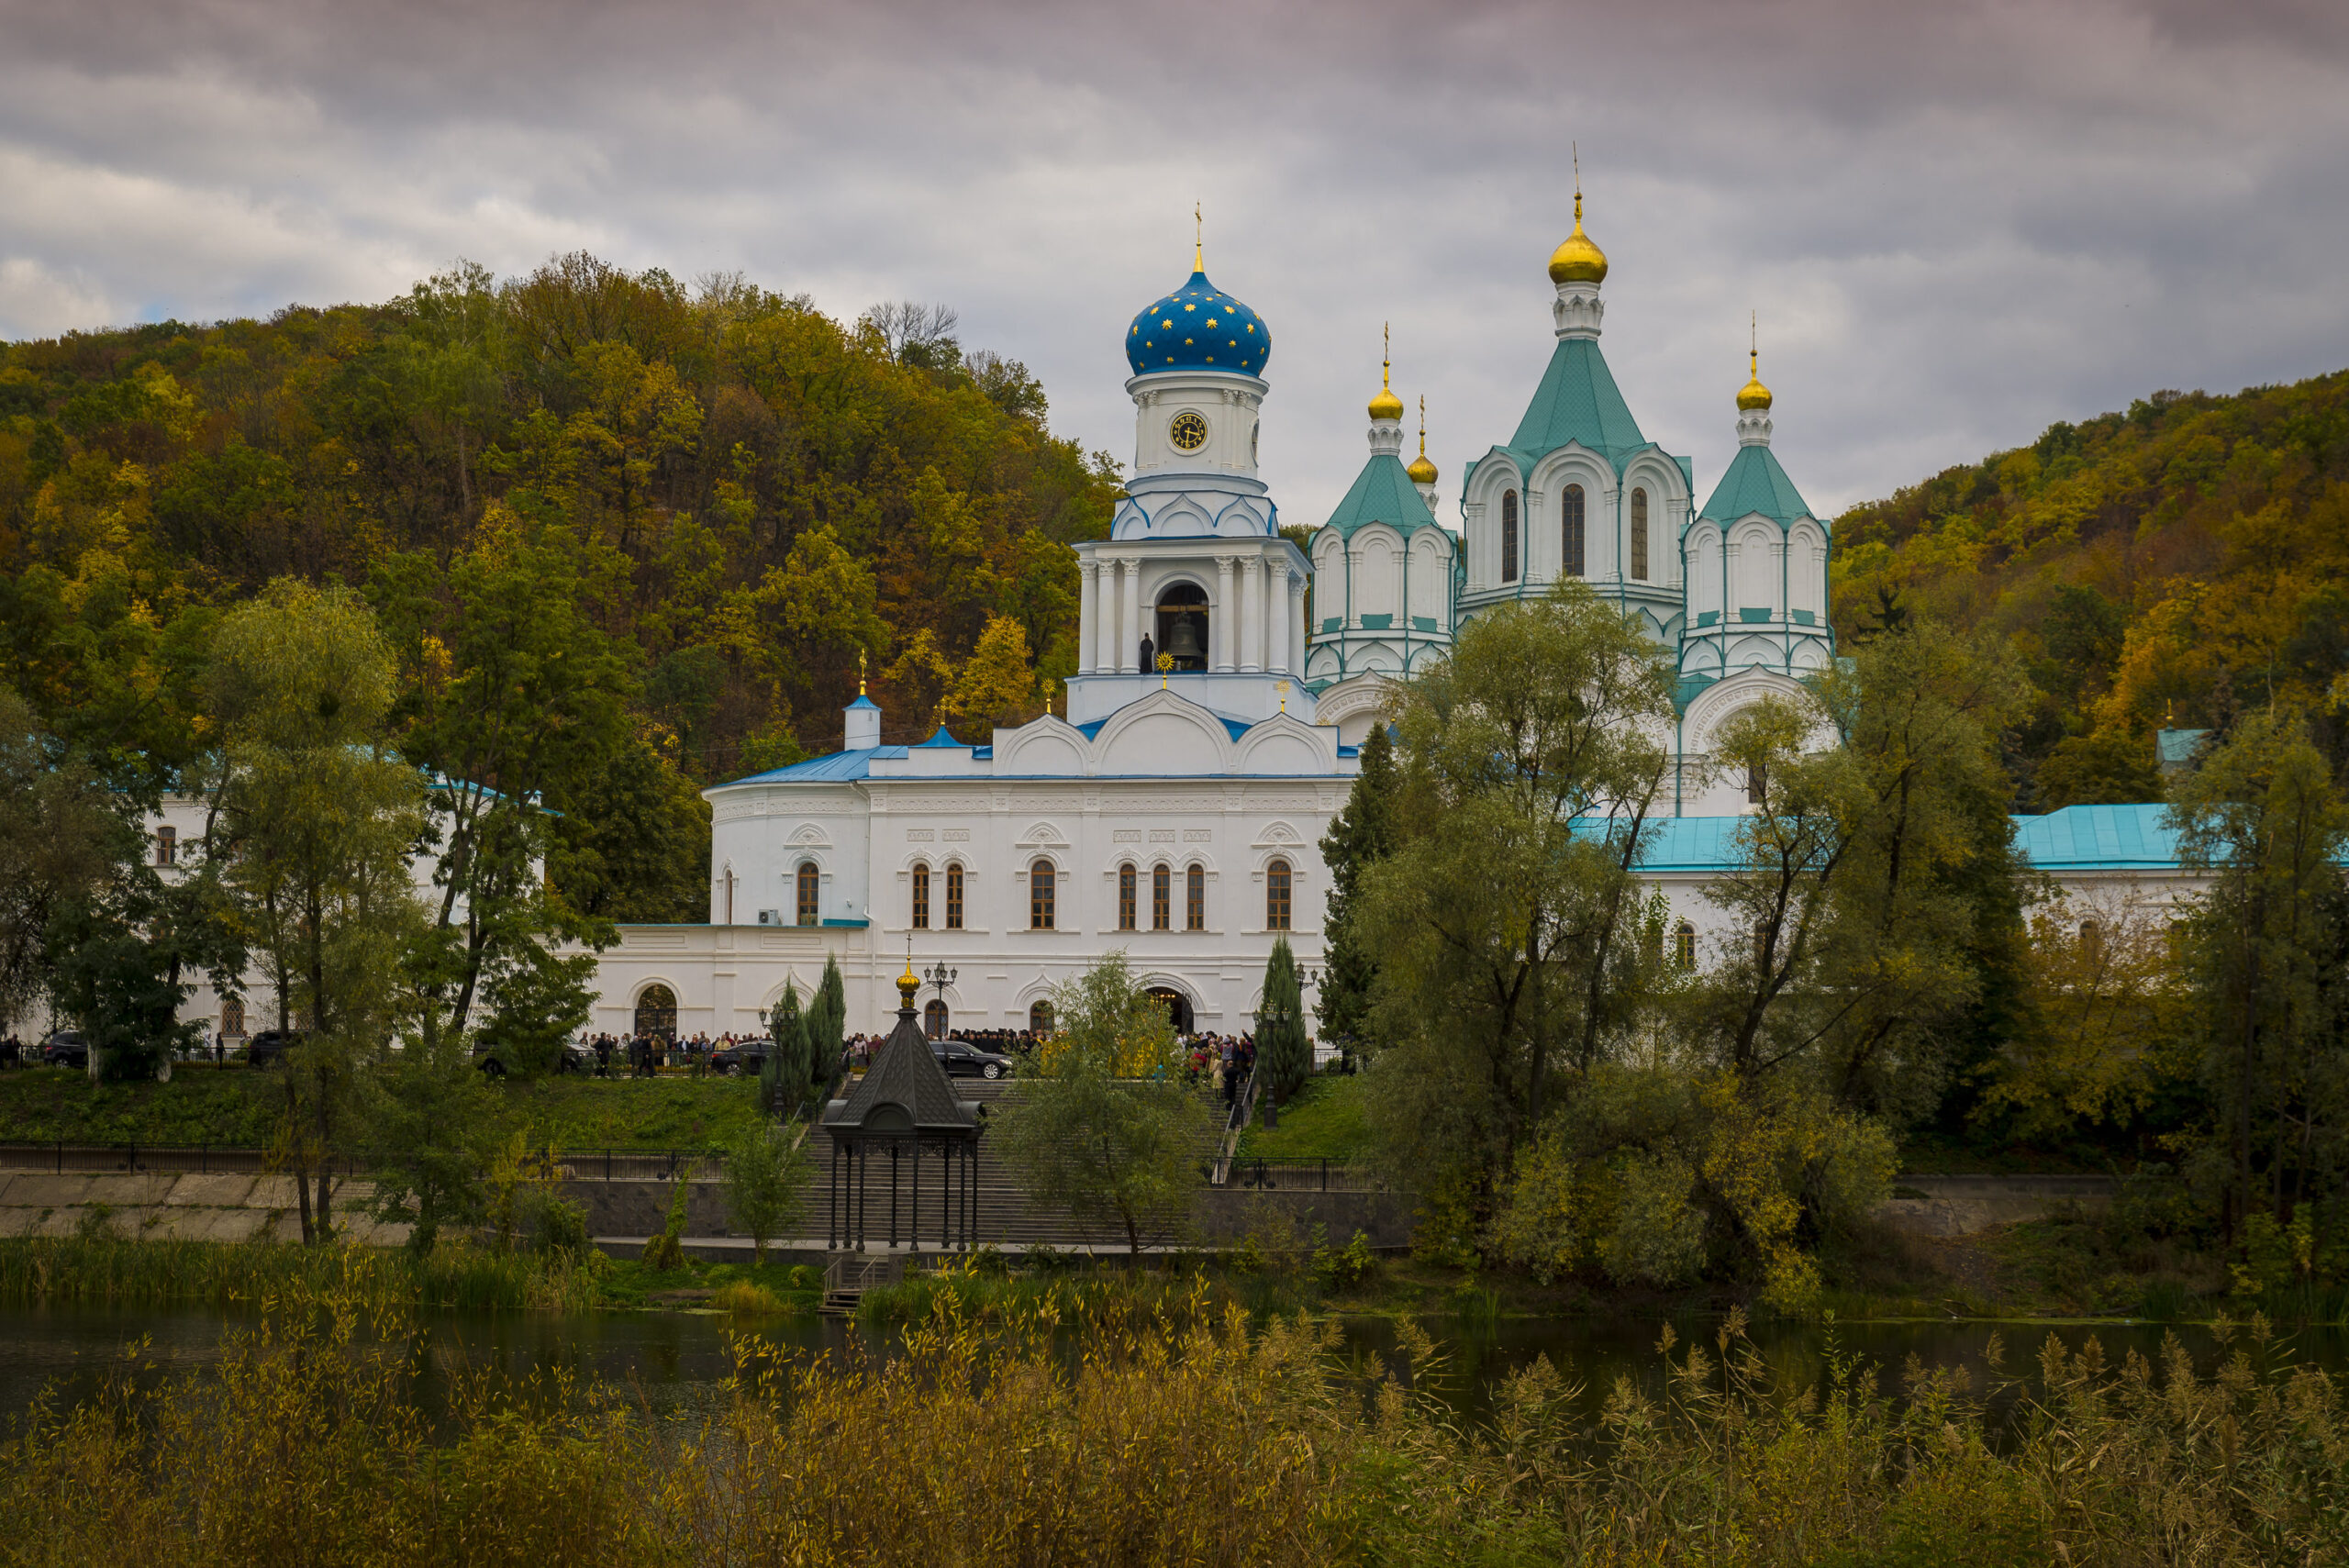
point(941, 741)
point(1197, 326)
point(840, 767)
point(2100, 837)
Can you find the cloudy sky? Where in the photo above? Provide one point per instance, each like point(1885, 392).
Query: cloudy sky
point(1957, 221)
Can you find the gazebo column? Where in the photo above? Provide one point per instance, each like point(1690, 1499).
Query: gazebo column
point(913, 1228)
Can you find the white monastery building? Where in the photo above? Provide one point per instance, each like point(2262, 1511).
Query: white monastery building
point(1210, 733)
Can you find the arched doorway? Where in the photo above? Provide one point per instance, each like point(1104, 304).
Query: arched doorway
point(933, 1020)
point(1183, 625)
point(656, 1012)
point(1177, 1006)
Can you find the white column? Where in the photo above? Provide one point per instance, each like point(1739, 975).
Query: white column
point(1298, 628)
point(1089, 614)
point(1130, 650)
point(1251, 613)
point(1277, 624)
point(1219, 623)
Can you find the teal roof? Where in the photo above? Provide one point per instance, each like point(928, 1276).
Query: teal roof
point(1383, 493)
point(940, 740)
point(1755, 483)
point(2176, 747)
point(2108, 837)
point(1577, 401)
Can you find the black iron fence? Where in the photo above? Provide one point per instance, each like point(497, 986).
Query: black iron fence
point(1299, 1174)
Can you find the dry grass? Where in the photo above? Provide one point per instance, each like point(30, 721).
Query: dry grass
point(1188, 1437)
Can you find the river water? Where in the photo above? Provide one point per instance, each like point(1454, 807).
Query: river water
point(676, 1361)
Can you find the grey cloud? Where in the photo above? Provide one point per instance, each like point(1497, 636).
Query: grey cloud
point(1957, 223)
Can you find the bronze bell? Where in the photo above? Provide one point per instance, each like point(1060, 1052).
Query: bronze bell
point(1183, 642)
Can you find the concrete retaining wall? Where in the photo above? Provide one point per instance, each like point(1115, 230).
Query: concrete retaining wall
point(1961, 1206)
point(180, 1208)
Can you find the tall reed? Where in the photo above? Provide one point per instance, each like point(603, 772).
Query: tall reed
point(111, 1272)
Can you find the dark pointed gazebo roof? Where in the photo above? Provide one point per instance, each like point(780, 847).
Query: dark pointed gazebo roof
point(904, 1093)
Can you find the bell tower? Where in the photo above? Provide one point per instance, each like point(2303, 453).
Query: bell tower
point(1194, 590)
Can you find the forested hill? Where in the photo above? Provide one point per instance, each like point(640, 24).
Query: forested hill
point(2164, 567)
point(749, 493)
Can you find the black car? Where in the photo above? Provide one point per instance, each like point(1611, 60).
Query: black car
point(490, 1057)
point(962, 1059)
point(66, 1048)
point(267, 1049)
point(743, 1056)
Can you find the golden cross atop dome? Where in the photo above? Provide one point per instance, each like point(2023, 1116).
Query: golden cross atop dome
point(1386, 406)
point(1421, 471)
point(1198, 238)
point(1754, 395)
point(1578, 260)
point(860, 672)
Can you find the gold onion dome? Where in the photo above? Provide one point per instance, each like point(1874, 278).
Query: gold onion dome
point(1578, 261)
point(1421, 471)
point(1754, 395)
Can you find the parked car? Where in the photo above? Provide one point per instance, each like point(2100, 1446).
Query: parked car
point(66, 1048)
point(962, 1059)
point(268, 1048)
point(743, 1056)
point(490, 1057)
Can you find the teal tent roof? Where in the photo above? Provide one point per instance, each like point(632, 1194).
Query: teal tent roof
point(1577, 401)
point(1755, 483)
point(1382, 493)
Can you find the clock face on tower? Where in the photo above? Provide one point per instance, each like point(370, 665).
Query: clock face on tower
point(1188, 432)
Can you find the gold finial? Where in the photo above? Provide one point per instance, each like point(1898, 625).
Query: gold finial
point(1198, 238)
point(1282, 687)
point(1578, 260)
point(1166, 662)
point(1422, 472)
point(907, 982)
point(1754, 395)
point(1386, 406)
point(860, 672)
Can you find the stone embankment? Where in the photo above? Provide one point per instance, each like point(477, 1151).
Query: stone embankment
point(186, 1206)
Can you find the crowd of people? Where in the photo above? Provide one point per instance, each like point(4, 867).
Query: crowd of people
point(644, 1055)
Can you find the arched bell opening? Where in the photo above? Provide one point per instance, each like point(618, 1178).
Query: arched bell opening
point(1183, 625)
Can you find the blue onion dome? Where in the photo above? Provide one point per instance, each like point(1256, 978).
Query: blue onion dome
point(1199, 328)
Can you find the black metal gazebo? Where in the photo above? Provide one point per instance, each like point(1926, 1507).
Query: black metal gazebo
point(905, 1107)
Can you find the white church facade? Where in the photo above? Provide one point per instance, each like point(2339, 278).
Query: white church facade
point(1175, 808)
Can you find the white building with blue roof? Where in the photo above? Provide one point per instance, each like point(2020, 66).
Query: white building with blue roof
point(1175, 808)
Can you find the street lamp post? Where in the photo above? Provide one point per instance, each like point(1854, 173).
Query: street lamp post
point(939, 975)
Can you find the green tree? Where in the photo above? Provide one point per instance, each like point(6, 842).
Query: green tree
point(827, 1020)
point(64, 837)
point(1507, 918)
point(513, 697)
point(1361, 836)
point(633, 844)
point(792, 1063)
point(764, 1177)
point(1284, 1055)
point(436, 1123)
point(319, 821)
point(1105, 1126)
point(2264, 819)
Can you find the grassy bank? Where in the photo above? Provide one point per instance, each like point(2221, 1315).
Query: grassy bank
point(237, 1105)
point(1323, 1121)
point(1204, 1442)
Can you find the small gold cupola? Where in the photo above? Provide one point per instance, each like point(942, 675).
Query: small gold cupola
point(1421, 471)
point(1752, 395)
point(1578, 260)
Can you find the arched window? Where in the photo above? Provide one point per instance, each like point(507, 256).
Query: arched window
point(1195, 898)
point(1126, 897)
point(1509, 536)
point(1276, 899)
point(808, 882)
point(1640, 535)
point(1039, 1018)
point(1757, 782)
point(1161, 897)
point(1683, 945)
point(922, 896)
point(2092, 941)
point(167, 846)
point(933, 1020)
point(954, 899)
point(232, 1017)
point(1042, 899)
point(1570, 532)
point(656, 1011)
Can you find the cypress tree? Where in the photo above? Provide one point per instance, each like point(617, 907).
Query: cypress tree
point(1359, 838)
point(1282, 1054)
point(827, 1022)
point(791, 1063)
